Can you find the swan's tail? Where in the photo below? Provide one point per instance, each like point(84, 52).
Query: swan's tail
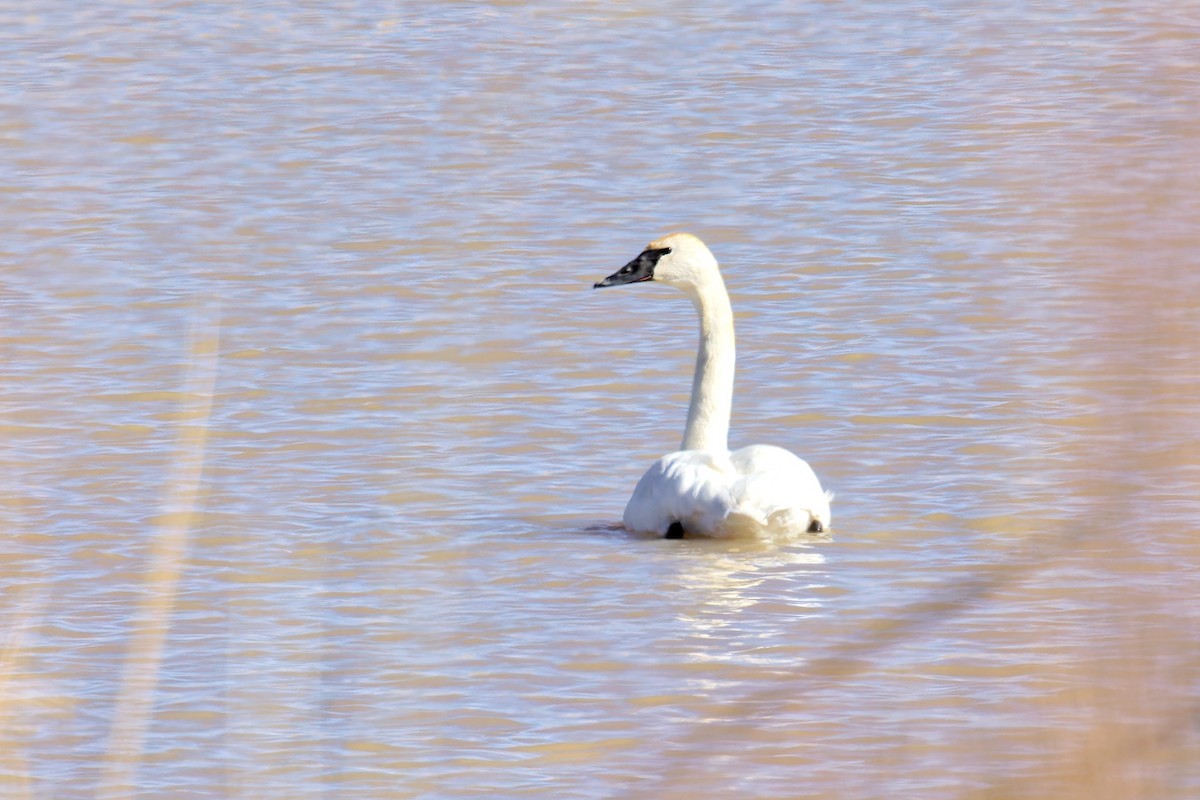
point(741, 525)
point(781, 523)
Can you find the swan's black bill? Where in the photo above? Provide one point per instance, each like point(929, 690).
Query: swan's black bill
point(636, 271)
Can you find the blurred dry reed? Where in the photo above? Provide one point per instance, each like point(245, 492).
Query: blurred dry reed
point(27, 612)
point(152, 621)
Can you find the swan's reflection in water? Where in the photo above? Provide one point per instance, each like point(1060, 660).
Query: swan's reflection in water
point(747, 605)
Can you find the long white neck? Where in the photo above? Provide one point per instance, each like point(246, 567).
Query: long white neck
point(712, 384)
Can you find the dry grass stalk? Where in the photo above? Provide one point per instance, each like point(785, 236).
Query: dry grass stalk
point(139, 677)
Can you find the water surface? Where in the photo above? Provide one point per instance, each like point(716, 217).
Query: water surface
point(315, 439)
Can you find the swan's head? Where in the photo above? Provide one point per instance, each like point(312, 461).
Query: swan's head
point(678, 259)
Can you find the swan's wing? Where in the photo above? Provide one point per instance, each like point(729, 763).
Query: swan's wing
point(777, 489)
point(690, 487)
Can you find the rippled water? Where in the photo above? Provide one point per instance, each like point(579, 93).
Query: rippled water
point(316, 441)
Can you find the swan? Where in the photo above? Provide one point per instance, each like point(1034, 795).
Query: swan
point(703, 489)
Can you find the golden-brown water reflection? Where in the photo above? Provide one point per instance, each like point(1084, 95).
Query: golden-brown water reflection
point(374, 557)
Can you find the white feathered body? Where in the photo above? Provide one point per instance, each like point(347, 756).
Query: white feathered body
point(755, 492)
point(758, 491)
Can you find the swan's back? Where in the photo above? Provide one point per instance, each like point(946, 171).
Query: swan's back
point(759, 491)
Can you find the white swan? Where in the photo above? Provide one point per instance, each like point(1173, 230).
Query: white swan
point(704, 489)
